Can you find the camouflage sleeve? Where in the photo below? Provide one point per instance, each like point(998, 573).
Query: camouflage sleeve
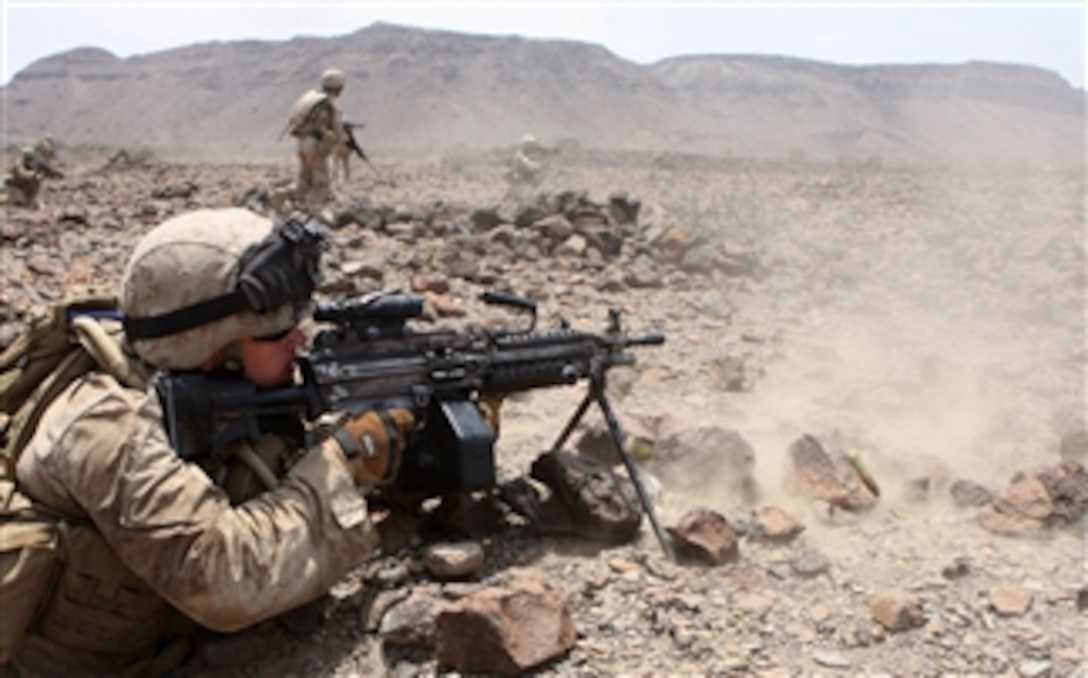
point(225, 567)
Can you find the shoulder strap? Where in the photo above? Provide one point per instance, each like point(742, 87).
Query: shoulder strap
point(95, 349)
point(102, 340)
point(25, 421)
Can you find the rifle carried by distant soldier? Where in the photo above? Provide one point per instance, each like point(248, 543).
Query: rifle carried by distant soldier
point(370, 359)
point(36, 164)
point(351, 145)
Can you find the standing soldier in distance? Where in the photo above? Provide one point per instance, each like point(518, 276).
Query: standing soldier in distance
point(317, 123)
point(525, 169)
point(23, 183)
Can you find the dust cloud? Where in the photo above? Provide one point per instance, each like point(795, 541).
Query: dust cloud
point(931, 322)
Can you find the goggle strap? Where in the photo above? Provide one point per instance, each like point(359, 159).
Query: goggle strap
point(186, 317)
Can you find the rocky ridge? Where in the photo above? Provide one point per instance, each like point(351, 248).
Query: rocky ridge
point(432, 92)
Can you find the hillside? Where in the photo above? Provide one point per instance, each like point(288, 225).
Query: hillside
point(423, 91)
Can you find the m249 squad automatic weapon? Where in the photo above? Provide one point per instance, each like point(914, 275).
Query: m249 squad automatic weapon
point(369, 358)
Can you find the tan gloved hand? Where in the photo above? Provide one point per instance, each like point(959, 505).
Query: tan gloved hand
point(374, 443)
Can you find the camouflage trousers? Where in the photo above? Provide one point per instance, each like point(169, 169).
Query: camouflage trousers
point(312, 187)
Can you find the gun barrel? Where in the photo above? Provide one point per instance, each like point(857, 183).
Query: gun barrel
point(649, 339)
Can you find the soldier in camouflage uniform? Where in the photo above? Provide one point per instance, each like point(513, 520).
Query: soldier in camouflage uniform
point(157, 544)
point(525, 169)
point(23, 185)
point(318, 125)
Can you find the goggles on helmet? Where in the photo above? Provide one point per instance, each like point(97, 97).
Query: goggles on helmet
point(283, 268)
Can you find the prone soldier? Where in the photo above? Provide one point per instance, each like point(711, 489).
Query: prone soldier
point(156, 544)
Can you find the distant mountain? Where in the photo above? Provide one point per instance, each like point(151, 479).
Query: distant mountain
point(432, 91)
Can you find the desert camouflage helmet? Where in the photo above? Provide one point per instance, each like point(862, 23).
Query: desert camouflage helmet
point(332, 78)
point(188, 259)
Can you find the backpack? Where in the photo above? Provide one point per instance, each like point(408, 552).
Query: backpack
point(305, 112)
point(72, 338)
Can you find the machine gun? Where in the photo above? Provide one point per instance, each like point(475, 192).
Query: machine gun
point(353, 144)
point(38, 165)
point(370, 359)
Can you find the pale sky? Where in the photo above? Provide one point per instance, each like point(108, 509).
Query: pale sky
point(1041, 33)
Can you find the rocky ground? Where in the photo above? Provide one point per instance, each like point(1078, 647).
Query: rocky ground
point(929, 324)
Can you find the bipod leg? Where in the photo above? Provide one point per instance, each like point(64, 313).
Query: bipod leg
point(597, 393)
point(574, 419)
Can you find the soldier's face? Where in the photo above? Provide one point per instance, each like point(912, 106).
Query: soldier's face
point(270, 361)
